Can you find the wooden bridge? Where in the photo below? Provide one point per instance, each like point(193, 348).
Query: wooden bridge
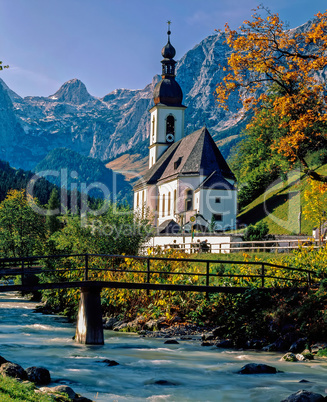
point(92, 272)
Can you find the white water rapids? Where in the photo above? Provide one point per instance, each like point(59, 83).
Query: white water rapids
point(186, 372)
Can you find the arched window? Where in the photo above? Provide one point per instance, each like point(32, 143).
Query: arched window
point(163, 205)
point(189, 200)
point(169, 203)
point(170, 125)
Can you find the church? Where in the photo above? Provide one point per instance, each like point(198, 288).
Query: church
point(189, 185)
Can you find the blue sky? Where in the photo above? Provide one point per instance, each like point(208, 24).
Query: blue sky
point(111, 44)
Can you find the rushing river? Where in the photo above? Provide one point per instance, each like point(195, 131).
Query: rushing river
point(186, 372)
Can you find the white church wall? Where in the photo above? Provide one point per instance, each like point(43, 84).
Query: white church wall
point(218, 244)
point(226, 207)
point(145, 202)
point(155, 153)
point(153, 130)
point(136, 201)
point(140, 201)
point(187, 183)
point(152, 203)
point(181, 185)
point(162, 113)
point(197, 202)
point(158, 117)
point(167, 189)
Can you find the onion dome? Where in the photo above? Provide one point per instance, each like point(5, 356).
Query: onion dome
point(168, 91)
point(168, 51)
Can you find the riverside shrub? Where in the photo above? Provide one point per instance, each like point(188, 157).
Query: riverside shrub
point(255, 314)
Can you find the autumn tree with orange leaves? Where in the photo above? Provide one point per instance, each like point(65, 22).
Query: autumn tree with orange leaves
point(280, 69)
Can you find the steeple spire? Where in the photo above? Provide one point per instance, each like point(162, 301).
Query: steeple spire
point(168, 52)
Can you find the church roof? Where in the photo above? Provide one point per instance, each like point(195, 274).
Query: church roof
point(169, 226)
point(215, 182)
point(195, 154)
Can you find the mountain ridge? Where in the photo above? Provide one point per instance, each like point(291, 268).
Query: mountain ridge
point(107, 127)
point(118, 123)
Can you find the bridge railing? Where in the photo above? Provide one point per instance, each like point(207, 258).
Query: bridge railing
point(150, 270)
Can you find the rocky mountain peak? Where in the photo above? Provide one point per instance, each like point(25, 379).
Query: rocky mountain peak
point(12, 95)
point(119, 123)
point(72, 91)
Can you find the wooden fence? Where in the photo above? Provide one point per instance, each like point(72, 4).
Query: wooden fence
point(276, 246)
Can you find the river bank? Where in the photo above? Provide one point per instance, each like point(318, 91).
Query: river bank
point(148, 369)
point(288, 340)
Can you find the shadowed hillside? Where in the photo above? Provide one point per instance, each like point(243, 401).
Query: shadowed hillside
point(280, 206)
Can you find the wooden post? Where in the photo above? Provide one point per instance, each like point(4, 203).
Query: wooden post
point(86, 271)
point(23, 276)
point(148, 275)
point(207, 278)
point(263, 275)
point(89, 328)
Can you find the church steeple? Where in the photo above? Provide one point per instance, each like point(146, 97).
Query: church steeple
point(167, 115)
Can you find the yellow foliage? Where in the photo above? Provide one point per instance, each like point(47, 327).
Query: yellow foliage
point(265, 52)
point(315, 197)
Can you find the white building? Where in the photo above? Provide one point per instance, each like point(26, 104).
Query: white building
point(189, 183)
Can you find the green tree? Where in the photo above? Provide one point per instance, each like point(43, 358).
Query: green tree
point(212, 224)
point(256, 232)
point(261, 163)
point(117, 231)
point(22, 231)
point(52, 221)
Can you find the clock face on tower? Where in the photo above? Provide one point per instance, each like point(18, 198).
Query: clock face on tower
point(170, 138)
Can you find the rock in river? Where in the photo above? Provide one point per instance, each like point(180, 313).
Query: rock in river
point(254, 368)
point(304, 396)
point(13, 370)
point(38, 375)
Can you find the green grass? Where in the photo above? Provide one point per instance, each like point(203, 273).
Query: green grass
point(322, 353)
point(13, 390)
point(280, 206)
point(239, 256)
point(227, 264)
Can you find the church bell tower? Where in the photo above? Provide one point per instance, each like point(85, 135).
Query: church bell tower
point(167, 114)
